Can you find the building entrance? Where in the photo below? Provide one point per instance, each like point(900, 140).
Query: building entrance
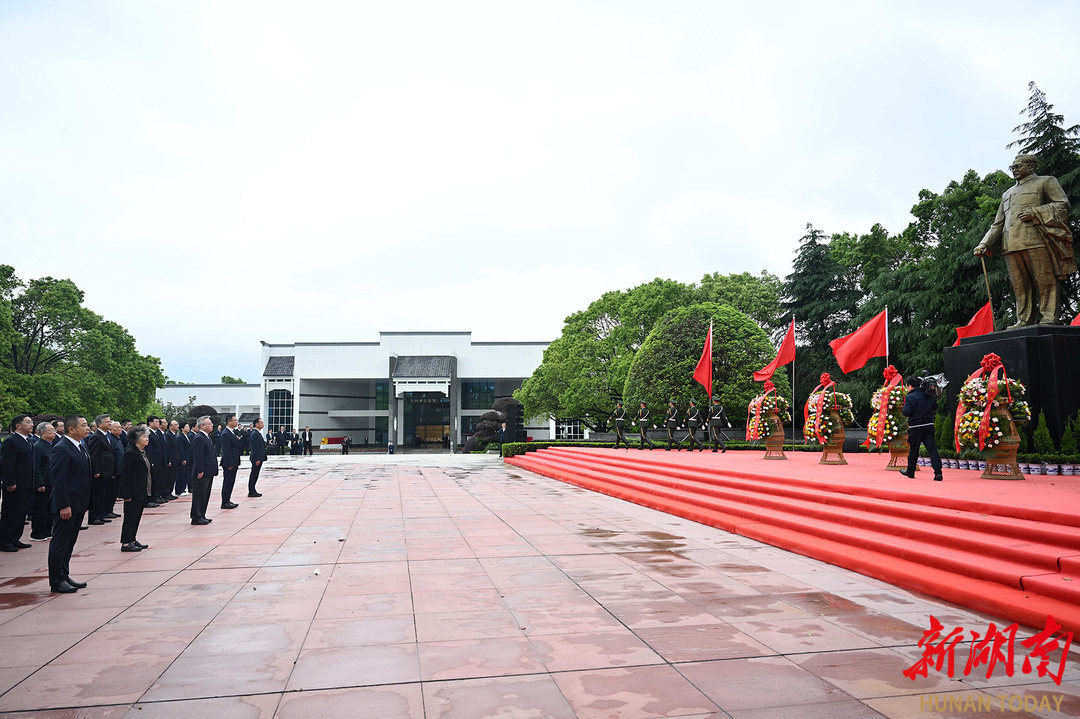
point(425, 419)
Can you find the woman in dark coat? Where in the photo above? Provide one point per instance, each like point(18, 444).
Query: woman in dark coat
point(134, 487)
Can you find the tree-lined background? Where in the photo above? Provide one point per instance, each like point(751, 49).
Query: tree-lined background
point(925, 274)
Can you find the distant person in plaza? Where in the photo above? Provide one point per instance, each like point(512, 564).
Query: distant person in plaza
point(203, 470)
point(118, 449)
point(619, 419)
point(1032, 231)
point(183, 470)
point(671, 421)
point(41, 522)
point(103, 464)
point(125, 427)
point(693, 419)
point(69, 469)
point(135, 488)
point(282, 440)
point(258, 456)
point(230, 461)
point(643, 422)
point(296, 446)
point(17, 470)
point(717, 420)
point(306, 437)
point(346, 442)
point(172, 457)
point(215, 437)
point(155, 450)
point(919, 408)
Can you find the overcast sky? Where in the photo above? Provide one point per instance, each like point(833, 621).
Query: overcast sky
point(217, 173)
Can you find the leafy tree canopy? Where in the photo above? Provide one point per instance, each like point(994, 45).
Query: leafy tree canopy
point(226, 379)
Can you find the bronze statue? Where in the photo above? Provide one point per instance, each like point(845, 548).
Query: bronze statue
point(1032, 230)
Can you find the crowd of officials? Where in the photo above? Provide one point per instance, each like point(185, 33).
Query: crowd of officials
point(57, 474)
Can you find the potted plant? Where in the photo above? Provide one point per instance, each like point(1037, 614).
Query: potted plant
point(1051, 465)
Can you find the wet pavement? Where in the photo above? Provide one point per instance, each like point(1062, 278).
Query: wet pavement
point(438, 586)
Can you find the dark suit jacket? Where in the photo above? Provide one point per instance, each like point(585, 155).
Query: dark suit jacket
point(41, 463)
point(156, 450)
point(282, 438)
point(172, 449)
point(258, 446)
point(102, 459)
point(133, 479)
point(184, 443)
point(203, 457)
point(230, 448)
point(118, 449)
point(70, 473)
point(17, 459)
point(306, 436)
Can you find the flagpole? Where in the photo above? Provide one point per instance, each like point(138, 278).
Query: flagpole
point(710, 362)
point(791, 404)
point(886, 335)
point(986, 277)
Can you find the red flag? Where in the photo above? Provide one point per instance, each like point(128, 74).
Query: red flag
point(981, 324)
point(871, 340)
point(1076, 321)
point(783, 357)
point(703, 371)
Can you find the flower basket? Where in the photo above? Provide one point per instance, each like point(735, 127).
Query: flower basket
point(826, 413)
point(765, 419)
point(887, 423)
point(990, 405)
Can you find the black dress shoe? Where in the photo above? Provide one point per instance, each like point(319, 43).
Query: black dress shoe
point(22, 545)
point(171, 497)
point(229, 505)
point(77, 585)
point(95, 522)
point(151, 505)
point(113, 515)
point(84, 527)
point(35, 538)
point(254, 494)
point(63, 588)
point(909, 476)
point(938, 477)
point(203, 520)
point(140, 544)
point(130, 548)
point(8, 548)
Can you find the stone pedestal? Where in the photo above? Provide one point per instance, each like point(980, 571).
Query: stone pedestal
point(1044, 359)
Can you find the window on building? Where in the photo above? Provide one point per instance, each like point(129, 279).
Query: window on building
point(279, 412)
point(382, 395)
point(382, 433)
point(569, 429)
point(468, 426)
point(478, 394)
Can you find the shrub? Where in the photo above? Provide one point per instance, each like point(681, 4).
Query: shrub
point(1041, 439)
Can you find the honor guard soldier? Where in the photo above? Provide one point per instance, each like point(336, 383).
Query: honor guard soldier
point(717, 419)
point(693, 419)
point(643, 427)
point(672, 423)
point(619, 417)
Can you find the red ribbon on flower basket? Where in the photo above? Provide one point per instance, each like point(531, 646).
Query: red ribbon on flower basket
point(992, 367)
point(825, 383)
point(753, 428)
point(892, 381)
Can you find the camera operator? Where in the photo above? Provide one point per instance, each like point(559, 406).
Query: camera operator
point(919, 408)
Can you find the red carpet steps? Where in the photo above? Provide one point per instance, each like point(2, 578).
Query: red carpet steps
point(1010, 549)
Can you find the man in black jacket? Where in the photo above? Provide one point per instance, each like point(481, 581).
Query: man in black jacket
point(183, 470)
point(69, 469)
point(919, 409)
point(103, 464)
point(258, 456)
point(155, 452)
point(172, 457)
point(17, 470)
point(306, 436)
point(230, 460)
point(118, 449)
point(203, 470)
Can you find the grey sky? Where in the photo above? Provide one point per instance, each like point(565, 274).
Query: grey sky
point(322, 171)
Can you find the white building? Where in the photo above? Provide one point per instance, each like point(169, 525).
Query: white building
point(409, 388)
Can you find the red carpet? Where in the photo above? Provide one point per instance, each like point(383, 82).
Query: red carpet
point(1010, 549)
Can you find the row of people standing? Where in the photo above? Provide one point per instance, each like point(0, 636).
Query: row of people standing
point(294, 443)
point(78, 473)
point(717, 420)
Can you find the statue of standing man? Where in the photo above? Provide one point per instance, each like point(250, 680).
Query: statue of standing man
point(1032, 231)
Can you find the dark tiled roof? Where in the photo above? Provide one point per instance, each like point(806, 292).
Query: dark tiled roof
point(249, 416)
point(280, 366)
point(422, 366)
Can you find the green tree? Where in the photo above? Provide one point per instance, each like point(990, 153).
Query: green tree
point(759, 297)
point(1041, 440)
point(226, 379)
point(664, 366)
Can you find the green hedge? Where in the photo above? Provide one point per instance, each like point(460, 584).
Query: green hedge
point(511, 449)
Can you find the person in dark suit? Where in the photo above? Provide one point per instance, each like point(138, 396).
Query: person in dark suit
point(717, 419)
point(118, 454)
point(215, 437)
point(203, 470)
point(258, 456)
point(282, 440)
point(69, 469)
point(172, 457)
point(103, 464)
point(306, 437)
point(156, 452)
point(125, 427)
point(135, 479)
point(183, 469)
point(296, 446)
point(671, 421)
point(41, 523)
point(17, 470)
point(230, 461)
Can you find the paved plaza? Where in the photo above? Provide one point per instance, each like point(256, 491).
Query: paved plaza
point(457, 587)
